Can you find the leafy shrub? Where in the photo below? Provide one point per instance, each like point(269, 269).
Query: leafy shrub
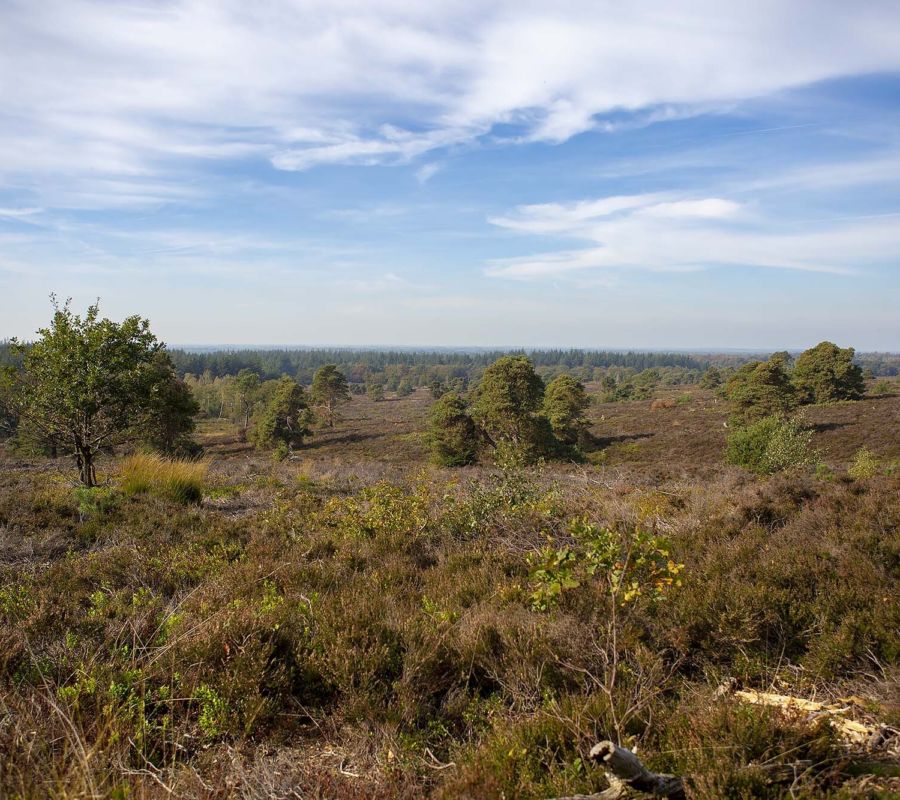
point(168, 478)
point(630, 564)
point(771, 445)
point(883, 387)
point(865, 465)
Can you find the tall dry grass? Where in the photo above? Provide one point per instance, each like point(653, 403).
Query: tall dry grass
point(170, 478)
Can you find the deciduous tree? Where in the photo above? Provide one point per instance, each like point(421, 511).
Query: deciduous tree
point(91, 383)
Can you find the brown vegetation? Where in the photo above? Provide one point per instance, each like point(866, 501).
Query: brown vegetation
point(353, 622)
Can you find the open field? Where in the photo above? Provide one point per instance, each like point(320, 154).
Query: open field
point(354, 622)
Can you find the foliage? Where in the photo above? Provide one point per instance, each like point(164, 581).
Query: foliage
point(506, 405)
point(771, 444)
point(286, 421)
point(329, 391)
point(246, 384)
point(565, 402)
point(453, 437)
point(826, 374)
point(168, 478)
point(711, 379)
point(375, 391)
point(174, 408)
point(628, 563)
point(91, 383)
point(625, 393)
point(759, 389)
point(865, 465)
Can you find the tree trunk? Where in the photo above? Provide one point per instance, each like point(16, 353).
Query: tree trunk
point(85, 461)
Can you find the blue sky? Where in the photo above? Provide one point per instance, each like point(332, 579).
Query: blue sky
point(596, 174)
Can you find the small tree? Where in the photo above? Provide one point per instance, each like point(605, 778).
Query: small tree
point(404, 388)
point(90, 383)
point(453, 436)
point(437, 390)
point(171, 420)
point(286, 419)
point(510, 394)
point(375, 390)
point(826, 373)
point(246, 385)
point(329, 391)
point(565, 402)
point(759, 389)
point(711, 379)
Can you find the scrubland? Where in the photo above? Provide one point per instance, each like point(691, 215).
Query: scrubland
point(355, 623)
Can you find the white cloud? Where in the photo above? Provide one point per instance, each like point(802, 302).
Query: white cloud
point(130, 89)
point(427, 171)
point(19, 212)
point(689, 235)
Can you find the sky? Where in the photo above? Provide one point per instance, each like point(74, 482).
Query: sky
point(652, 174)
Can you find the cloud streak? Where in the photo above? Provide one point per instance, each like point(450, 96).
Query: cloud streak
point(309, 83)
point(644, 233)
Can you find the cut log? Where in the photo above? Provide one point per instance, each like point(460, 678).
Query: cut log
point(625, 771)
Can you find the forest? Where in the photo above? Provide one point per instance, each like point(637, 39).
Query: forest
point(494, 574)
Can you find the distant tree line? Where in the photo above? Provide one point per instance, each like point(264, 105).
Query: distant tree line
point(88, 385)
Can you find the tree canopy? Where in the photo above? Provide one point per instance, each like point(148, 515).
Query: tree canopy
point(90, 383)
point(286, 419)
point(826, 373)
point(565, 402)
point(453, 436)
point(510, 393)
point(760, 389)
point(330, 390)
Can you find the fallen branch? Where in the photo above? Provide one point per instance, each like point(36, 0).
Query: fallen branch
point(870, 735)
point(625, 771)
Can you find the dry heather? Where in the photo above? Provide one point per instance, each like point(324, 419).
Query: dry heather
point(354, 623)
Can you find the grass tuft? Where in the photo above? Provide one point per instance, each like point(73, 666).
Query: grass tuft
point(169, 478)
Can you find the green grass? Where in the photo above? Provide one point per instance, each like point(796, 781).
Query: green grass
point(168, 478)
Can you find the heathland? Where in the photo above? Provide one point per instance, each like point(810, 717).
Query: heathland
point(308, 605)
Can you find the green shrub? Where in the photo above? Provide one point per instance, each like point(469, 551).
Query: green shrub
point(865, 465)
point(771, 445)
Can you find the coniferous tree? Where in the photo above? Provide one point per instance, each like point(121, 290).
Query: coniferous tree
point(759, 389)
point(826, 373)
point(453, 436)
point(329, 391)
point(565, 402)
point(286, 418)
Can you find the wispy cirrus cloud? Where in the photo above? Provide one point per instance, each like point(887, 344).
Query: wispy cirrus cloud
point(310, 83)
point(646, 233)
